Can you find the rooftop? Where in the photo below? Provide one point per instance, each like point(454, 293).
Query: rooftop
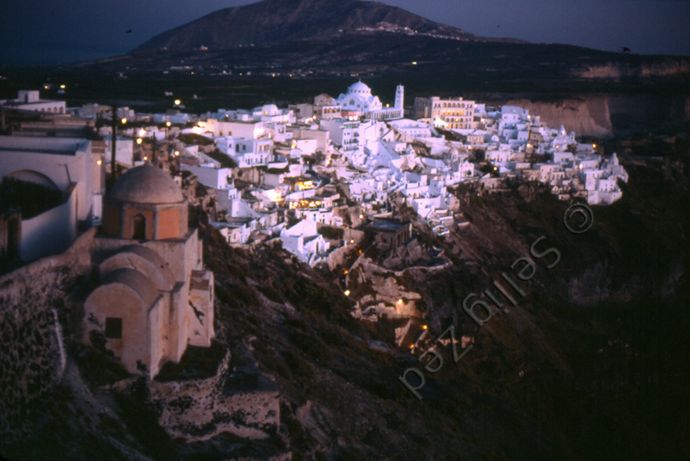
point(43, 145)
point(146, 184)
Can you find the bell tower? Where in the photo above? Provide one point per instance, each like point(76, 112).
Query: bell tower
point(400, 99)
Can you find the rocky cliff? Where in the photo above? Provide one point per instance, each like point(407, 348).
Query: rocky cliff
point(590, 363)
point(601, 115)
point(587, 117)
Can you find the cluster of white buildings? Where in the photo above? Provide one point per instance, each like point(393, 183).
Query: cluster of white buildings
point(337, 162)
point(309, 173)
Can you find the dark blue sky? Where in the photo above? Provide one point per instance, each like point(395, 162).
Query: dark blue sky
point(53, 31)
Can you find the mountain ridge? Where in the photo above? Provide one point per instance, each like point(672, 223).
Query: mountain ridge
point(278, 21)
point(305, 39)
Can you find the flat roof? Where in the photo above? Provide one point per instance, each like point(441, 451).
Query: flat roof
point(387, 225)
point(43, 145)
point(17, 103)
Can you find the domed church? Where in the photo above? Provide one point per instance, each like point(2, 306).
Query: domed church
point(359, 101)
point(154, 296)
point(358, 97)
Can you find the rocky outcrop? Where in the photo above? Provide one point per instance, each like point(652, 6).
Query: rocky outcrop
point(588, 116)
point(198, 410)
point(607, 115)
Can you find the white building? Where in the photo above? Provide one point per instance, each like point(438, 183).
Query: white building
point(304, 241)
point(31, 100)
point(234, 128)
point(68, 171)
point(455, 113)
point(411, 129)
point(210, 175)
point(246, 152)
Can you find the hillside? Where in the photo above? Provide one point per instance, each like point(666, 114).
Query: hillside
point(281, 21)
point(592, 364)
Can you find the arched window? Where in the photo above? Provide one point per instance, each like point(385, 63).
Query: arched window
point(139, 224)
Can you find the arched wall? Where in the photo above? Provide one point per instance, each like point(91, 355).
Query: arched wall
point(34, 177)
point(118, 300)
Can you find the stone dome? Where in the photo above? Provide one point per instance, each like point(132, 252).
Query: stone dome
point(146, 184)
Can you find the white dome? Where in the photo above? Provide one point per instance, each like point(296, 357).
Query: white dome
point(359, 88)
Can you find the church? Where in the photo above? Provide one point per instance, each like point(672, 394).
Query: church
point(154, 296)
point(359, 101)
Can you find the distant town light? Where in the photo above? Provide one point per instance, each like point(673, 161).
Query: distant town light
point(145, 158)
point(63, 86)
point(123, 120)
point(139, 141)
point(178, 102)
point(425, 327)
point(168, 124)
point(414, 63)
point(594, 146)
point(345, 272)
point(99, 162)
point(346, 292)
point(400, 302)
point(177, 153)
point(142, 132)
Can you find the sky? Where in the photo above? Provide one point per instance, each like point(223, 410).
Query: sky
point(45, 32)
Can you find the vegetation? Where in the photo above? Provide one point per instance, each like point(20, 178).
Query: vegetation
point(224, 160)
point(195, 139)
point(332, 233)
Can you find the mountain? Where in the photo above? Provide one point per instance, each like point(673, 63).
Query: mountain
point(280, 21)
point(340, 39)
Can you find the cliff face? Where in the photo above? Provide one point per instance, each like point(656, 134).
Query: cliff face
point(589, 117)
point(607, 115)
point(590, 364)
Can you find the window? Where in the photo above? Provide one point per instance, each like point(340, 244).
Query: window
point(113, 328)
point(139, 224)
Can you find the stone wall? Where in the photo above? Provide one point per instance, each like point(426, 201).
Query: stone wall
point(199, 410)
point(32, 353)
